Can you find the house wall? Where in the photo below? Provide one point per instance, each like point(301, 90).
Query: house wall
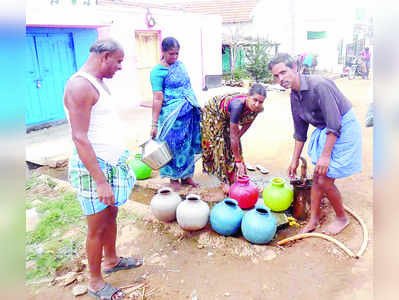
point(199, 37)
point(200, 46)
point(287, 22)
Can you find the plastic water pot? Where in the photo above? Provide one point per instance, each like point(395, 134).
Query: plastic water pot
point(259, 226)
point(226, 217)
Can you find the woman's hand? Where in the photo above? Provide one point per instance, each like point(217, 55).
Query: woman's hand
point(241, 169)
point(154, 131)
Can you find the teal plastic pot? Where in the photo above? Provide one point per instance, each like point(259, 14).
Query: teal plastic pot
point(259, 226)
point(226, 217)
point(140, 169)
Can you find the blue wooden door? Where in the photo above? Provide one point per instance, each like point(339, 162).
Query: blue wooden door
point(51, 62)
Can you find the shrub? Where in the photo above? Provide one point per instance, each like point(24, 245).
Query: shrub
point(257, 58)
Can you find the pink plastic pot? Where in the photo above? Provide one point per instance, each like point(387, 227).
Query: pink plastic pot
point(244, 192)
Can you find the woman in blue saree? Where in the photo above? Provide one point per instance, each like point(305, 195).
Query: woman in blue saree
point(175, 115)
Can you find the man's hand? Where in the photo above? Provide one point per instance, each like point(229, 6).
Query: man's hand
point(322, 165)
point(292, 168)
point(105, 193)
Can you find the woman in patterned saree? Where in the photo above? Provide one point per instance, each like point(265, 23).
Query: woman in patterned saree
point(176, 115)
point(225, 119)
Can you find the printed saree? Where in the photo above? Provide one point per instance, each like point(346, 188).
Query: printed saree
point(217, 155)
point(179, 123)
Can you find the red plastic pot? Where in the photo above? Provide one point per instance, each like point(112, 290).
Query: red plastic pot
point(244, 192)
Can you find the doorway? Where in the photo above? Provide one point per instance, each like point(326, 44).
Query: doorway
point(148, 56)
point(50, 62)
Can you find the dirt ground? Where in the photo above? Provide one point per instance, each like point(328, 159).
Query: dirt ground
point(206, 266)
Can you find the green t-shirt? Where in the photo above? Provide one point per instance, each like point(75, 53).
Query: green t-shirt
point(157, 76)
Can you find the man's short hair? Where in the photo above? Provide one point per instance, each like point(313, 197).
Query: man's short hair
point(104, 45)
point(281, 58)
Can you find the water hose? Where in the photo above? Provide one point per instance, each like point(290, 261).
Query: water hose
point(333, 240)
point(365, 232)
point(319, 235)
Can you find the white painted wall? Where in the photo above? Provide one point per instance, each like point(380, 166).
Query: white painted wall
point(212, 44)
point(287, 22)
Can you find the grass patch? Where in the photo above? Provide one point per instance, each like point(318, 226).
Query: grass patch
point(32, 181)
point(52, 256)
point(45, 245)
point(55, 214)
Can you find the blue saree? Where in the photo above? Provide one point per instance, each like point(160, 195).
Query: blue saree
point(179, 123)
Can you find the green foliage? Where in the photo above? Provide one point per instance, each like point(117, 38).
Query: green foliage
point(55, 213)
point(257, 58)
point(51, 183)
point(226, 76)
point(45, 244)
point(32, 181)
point(52, 255)
point(240, 73)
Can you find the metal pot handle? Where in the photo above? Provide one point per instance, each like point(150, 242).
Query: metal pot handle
point(150, 139)
point(304, 167)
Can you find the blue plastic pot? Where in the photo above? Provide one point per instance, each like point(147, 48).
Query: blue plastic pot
point(259, 226)
point(226, 217)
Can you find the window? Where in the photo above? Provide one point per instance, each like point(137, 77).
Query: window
point(314, 35)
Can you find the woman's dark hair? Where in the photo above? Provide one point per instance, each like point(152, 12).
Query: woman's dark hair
point(168, 43)
point(257, 89)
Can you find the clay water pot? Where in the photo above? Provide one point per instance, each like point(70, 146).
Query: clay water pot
point(226, 217)
point(164, 204)
point(244, 192)
point(140, 169)
point(302, 189)
point(277, 195)
point(192, 213)
point(259, 226)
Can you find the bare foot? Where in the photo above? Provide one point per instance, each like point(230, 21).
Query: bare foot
point(175, 185)
point(337, 225)
point(189, 181)
point(226, 189)
point(311, 226)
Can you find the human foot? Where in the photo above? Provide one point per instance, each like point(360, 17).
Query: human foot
point(337, 225)
point(175, 184)
point(226, 189)
point(311, 226)
point(106, 292)
point(123, 263)
point(189, 181)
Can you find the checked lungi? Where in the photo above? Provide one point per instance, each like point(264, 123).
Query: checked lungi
point(120, 177)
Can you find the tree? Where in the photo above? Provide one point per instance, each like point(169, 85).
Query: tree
point(258, 55)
